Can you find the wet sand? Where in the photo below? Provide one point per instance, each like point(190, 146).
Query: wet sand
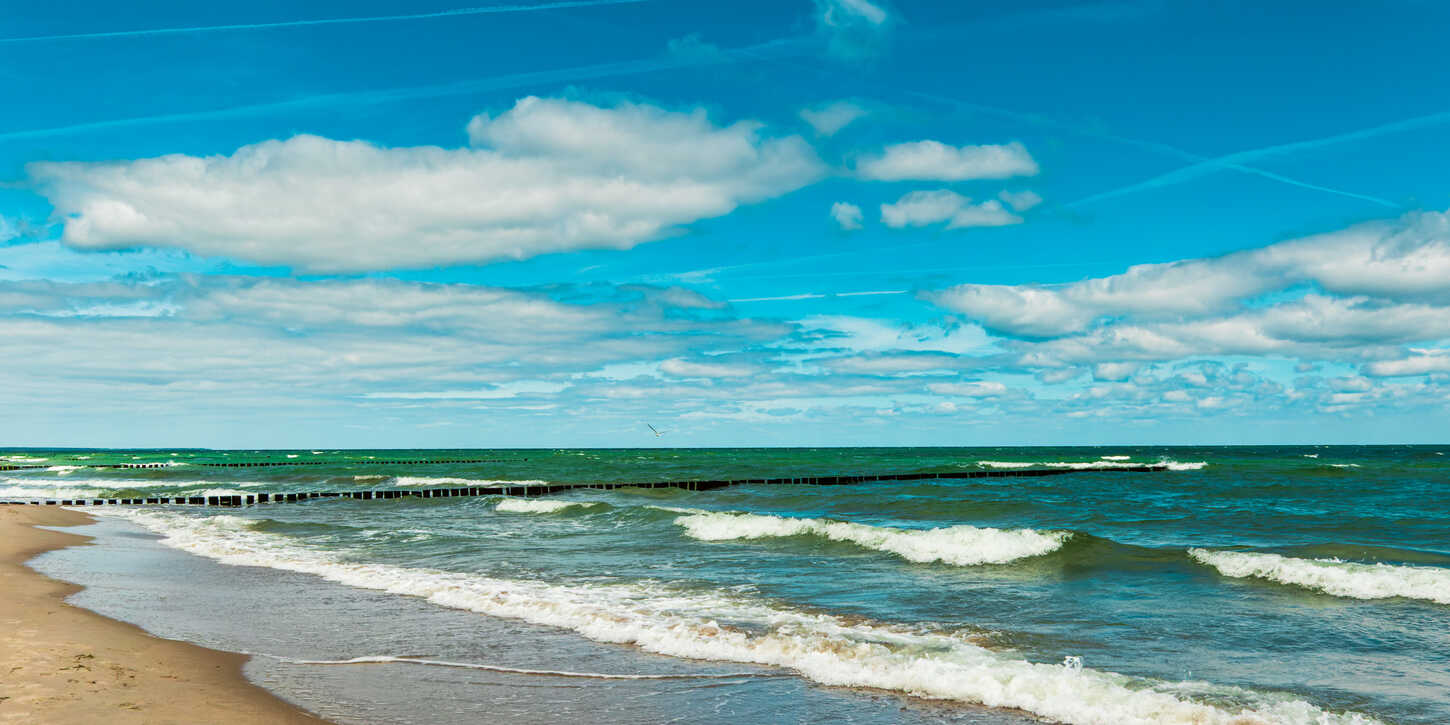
point(63, 664)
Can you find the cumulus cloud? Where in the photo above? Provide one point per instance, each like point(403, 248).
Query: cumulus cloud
point(832, 117)
point(548, 175)
point(1412, 365)
point(848, 216)
point(935, 161)
point(1364, 297)
point(1404, 260)
point(923, 208)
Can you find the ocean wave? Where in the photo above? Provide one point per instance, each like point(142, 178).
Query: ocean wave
point(104, 487)
point(539, 505)
point(1334, 576)
point(13, 492)
point(1344, 465)
point(448, 481)
point(1006, 464)
point(1103, 463)
point(959, 545)
point(825, 648)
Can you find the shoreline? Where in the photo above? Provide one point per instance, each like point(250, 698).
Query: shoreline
point(66, 664)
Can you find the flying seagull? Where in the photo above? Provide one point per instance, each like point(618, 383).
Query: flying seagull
point(657, 433)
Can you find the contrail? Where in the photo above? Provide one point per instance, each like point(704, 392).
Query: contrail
point(1200, 164)
point(1231, 161)
point(514, 80)
point(820, 295)
point(487, 10)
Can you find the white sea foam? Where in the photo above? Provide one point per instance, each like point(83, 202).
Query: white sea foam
point(24, 459)
point(64, 470)
point(1345, 465)
point(446, 481)
point(389, 659)
point(370, 477)
point(959, 545)
point(14, 492)
point(47, 487)
point(539, 505)
point(1181, 466)
point(1103, 463)
point(824, 648)
point(1334, 576)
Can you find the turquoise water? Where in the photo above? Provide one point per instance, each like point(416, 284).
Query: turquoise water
point(1285, 584)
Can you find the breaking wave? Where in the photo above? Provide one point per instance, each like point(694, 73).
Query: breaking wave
point(448, 481)
point(539, 505)
point(1103, 463)
point(824, 648)
point(959, 545)
point(1334, 576)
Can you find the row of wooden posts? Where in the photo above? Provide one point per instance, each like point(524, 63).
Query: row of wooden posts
point(545, 489)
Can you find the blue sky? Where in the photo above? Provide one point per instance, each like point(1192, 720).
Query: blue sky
point(828, 222)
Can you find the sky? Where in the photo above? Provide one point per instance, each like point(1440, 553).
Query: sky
point(798, 222)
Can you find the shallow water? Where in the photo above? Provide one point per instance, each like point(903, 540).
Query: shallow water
point(1317, 588)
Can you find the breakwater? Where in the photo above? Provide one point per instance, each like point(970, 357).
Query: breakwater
point(544, 489)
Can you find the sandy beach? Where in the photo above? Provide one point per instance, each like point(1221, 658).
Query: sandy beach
point(63, 664)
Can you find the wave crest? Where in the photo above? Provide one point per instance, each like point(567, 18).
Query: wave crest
point(1334, 576)
point(539, 505)
point(959, 545)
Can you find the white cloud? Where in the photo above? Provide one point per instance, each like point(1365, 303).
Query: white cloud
point(920, 208)
point(853, 29)
point(832, 117)
point(923, 208)
point(989, 213)
point(1413, 365)
point(1020, 200)
point(501, 391)
point(935, 161)
point(978, 389)
point(548, 175)
point(1406, 260)
point(1115, 371)
point(867, 335)
point(682, 368)
point(847, 216)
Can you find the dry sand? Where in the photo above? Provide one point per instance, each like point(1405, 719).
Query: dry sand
point(64, 664)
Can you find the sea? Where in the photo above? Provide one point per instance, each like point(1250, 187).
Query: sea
point(1239, 585)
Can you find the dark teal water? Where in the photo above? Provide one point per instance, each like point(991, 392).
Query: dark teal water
point(1284, 584)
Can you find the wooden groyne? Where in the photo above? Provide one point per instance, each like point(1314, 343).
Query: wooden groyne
point(545, 489)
